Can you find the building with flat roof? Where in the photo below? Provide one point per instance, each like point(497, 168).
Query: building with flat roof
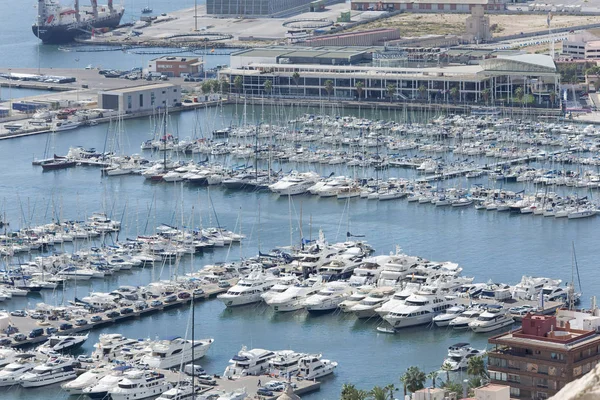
point(434, 6)
point(545, 354)
point(237, 8)
point(140, 98)
point(495, 78)
point(295, 55)
point(173, 66)
point(582, 46)
point(374, 37)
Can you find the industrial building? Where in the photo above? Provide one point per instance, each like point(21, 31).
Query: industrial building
point(140, 98)
point(374, 37)
point(236, 8)
point(434, 6)
point(496, 77)
point(545, 354)
point(582, 46)
point(294, 55)
point(176, 66)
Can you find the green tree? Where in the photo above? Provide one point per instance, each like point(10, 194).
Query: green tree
point(296, 78)
point(391, 90)
point(215, 85)
point(360, 87)
point(415, 379)
point(206, 86)
point(378, 393)
point(485, 94)
point(329, 88)
point(447, 367)
point(422, 90)
point(238, 83)
point(475, 382)
point(224, 86)
point(404, 380)
point(453, 387)
point(454, 93)
point(268, 86)
point(476, 367)
point(350, 392)
point(433, 375)
point(519, 93)
point(390, 389)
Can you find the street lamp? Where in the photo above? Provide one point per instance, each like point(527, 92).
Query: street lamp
point(77, 89)
point(9, 91)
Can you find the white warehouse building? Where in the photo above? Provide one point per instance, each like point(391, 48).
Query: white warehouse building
point(141, 98)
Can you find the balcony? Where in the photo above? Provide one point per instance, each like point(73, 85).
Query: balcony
point(521, 356)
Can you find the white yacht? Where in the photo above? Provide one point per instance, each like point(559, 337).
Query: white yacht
point(491, 319)
point(295, 183)
point(366, 307)
point(368, 271)
point(283, 283)
point(183, 391)
point(397, 299)
point(248, 290)
point(248, 362)
point(173, 351)
point(23, 363)
point(459, 355)
point(238, 394)
point(140, 385)
point(87, 379)
point(450, 314)
point(99, 390)
point(360, 294)
point(529, 287)
point(294, 296)
point(62, 343)
point(109, 346)
point(314, 367)
point(7, 356)
point(285, 363)
point(419, 309)
point(328, 298)
point(54, 370)
point(465, 318)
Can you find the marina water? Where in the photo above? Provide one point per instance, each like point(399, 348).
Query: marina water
point(488, 245)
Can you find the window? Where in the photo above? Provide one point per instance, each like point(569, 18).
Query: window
point(557, 356)
point(514, 378)
point(129, 105)
point(541, 395)
point(543, 369)
point(152, 98)
point(141, 100)
point(515, 392)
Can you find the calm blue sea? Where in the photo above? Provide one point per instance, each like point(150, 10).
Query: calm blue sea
point(488, 245)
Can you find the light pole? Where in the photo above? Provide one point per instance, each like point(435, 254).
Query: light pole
point(9, 91)
point(195, 15)
point(76, 88)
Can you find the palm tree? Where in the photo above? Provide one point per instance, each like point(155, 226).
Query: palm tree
point(453, 387)
point(378, 393)
point(238, 83)
point(350, 392)
point(404, 380)
point(329, 88)
point(433, 376)
point(224, 86)
point(422, 89)
point(296, 78)
point(552, 96)
point(519, 93)
point(475, 382)
point(447, 367)
point(268, 86)
point(391, 90)
point(359, 88)
point(476, 367)
point(390, 389)
point(485, 93)
point(454, 93)
point(415, 379)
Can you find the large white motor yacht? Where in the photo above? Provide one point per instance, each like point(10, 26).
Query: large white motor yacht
point(23, 363)
point(248, 362)
point(450, 314)
point(283, 283)
point(491, 320)
point(294, 296)
point(87, 379)
point(314, 367)
point(173, 351)
point(356, 297)
point(366, 307)
point(285, 363)
point(54, 370)
point(397, 299)
point(295, 183)
point(99, 390)
point(140, 385)
point(109, 346)
point(248, 290)
point(62, 343)
point(328, 298)
point(419, 309)
point(459, 355)
point(465, 318)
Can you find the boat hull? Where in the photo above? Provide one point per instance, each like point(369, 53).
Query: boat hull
point(60, 34)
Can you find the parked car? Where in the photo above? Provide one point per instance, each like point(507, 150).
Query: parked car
point(38, 316)
point(264, 392)
point(170, 299)
point(18, 313)
point(51, 330)
point(113, 314)
point(198, 292)
point(5, 342)
point(65, 327)
point(141, 305)
point(81, 322)
point(206, 380)
point(19, 337)
point(96, 318)
point(126, 310)
point(184, 295)
point(36, 332)
point(224, 284)
point(156, 303)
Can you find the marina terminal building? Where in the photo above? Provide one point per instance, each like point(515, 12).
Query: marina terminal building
point(172, 66)
point(545, 354)
point(493, 79)
point(140, 98)
point(258, 8)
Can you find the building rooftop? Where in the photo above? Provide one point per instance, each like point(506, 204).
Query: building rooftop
point(176, 59)
point(142, 87)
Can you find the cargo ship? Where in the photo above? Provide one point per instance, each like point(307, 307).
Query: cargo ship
point(56, 24)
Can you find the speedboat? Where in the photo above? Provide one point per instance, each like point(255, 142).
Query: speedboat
point(492, 319)
point(459, 355)
point(366, 307)
point(59, 344)
point(465, 318)
point(55, 370)
point(450, 314)
point(140, 385)
point(23, 363)
point(173, 351)
point(87, 379)
point(248, 290)
point(248, 362)
point(328, 298)
point(314, 367)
